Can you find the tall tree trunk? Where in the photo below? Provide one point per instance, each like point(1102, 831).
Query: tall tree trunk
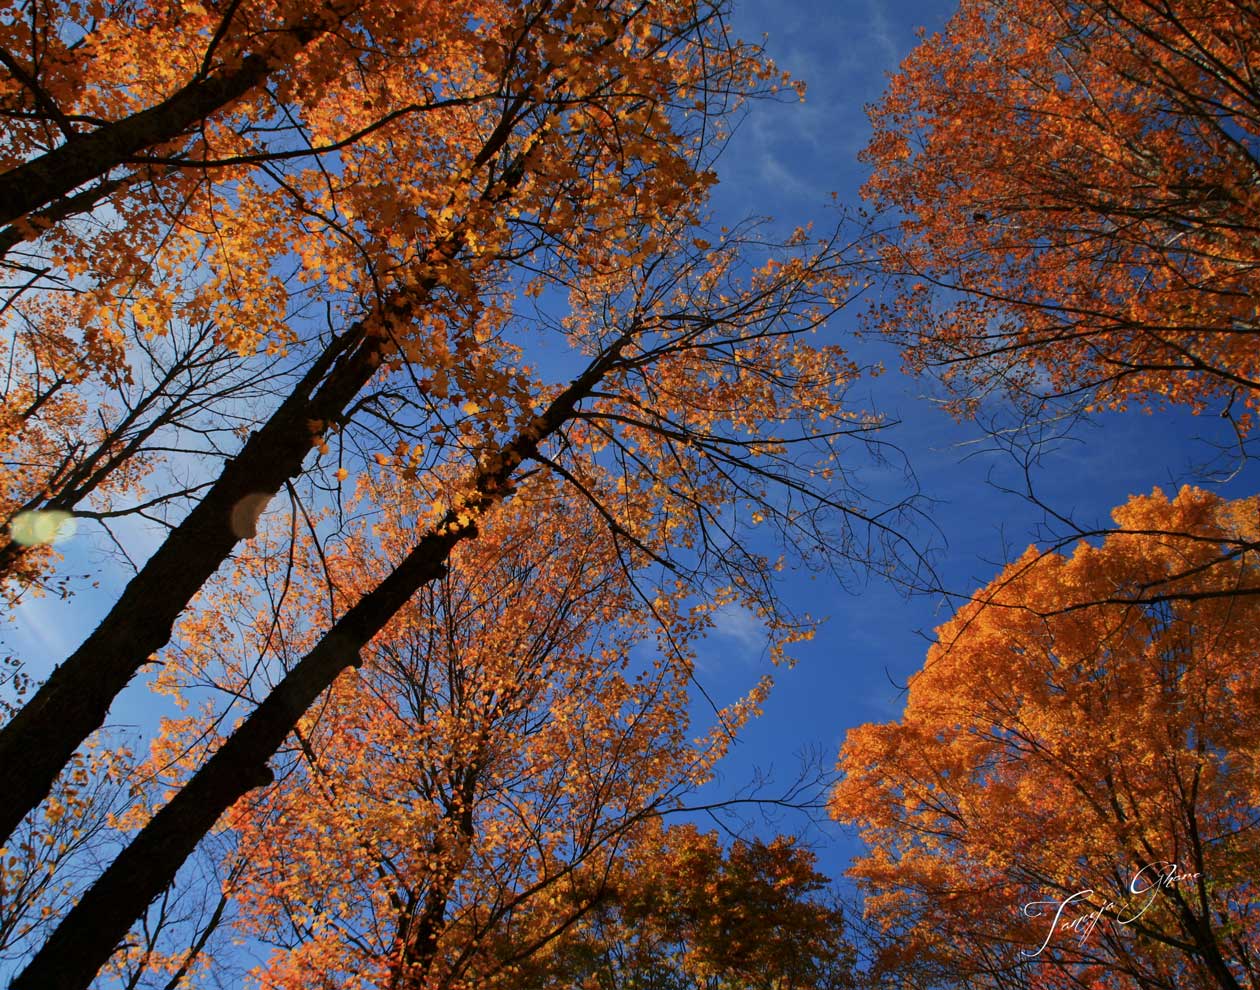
point(88, 935)
point(418, 937)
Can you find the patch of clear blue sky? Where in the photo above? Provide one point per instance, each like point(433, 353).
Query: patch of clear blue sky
point(785, 160)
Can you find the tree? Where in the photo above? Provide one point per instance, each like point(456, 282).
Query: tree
point(537, 149)
point(700, 412)
point(679, 911)
point(458, 804)
point(159, 111)
point(1081, 182)
point(510, 176)
point(729, 355)
point(1070, 798)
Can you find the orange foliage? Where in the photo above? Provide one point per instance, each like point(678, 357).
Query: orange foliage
point(1061, 739)
point(40, 866)
point(363, 210)
point(488, 120)
point(677, 910)
point(508, 733)
point(1085, 175)
point(351, 200)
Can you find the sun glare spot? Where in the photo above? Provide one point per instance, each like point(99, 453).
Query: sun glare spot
point(245, 514)
point(40, 527)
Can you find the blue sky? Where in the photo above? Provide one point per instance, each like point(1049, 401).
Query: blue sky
point(785, 160)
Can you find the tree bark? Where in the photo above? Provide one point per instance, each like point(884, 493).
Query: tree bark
point(50, 178)
point(89, 934)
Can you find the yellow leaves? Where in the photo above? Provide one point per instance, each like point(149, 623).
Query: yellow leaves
point(151, 314)
point(598, 741)
point(54, 810)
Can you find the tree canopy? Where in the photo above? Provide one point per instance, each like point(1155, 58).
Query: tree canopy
point(1071, 189)
point(434, 418)
point(1070, 798)
point(1066, 202)
point(262, 254)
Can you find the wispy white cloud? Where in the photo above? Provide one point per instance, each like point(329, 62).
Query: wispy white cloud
point(742, 634)
point(878, 33)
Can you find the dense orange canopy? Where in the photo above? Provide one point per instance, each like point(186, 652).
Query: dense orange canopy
point(1085, 174)
point(1090, 758)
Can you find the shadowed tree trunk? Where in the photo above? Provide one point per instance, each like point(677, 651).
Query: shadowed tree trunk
point(88, 935)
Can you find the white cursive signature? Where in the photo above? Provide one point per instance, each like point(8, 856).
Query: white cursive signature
point(1149, 879)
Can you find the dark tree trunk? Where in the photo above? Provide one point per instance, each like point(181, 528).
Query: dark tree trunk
point(89, 934)
point(51, 178)
point(75, 699)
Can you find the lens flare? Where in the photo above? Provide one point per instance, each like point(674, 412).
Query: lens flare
point(42, 527)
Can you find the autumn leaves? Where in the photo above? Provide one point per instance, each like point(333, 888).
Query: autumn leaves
point(1062, 737)
point(1076, 199)
point(280, 306)
point(1083, 174)
point(460, 426)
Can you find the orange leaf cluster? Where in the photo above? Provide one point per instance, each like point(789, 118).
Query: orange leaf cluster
point(1060, 741)
point(1079, 182)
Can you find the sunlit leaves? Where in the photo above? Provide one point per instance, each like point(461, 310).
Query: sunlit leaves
point(1060, 738)
point(1084, 174)
point(498, 745)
